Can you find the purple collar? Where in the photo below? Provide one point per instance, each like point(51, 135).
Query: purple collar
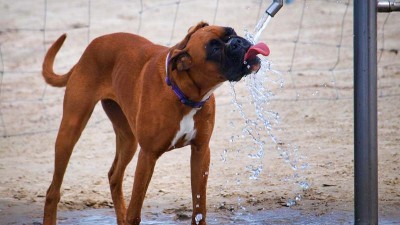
point(178, 92)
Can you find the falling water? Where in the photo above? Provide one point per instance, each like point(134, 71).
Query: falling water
point(260, 128)
point(259, 28)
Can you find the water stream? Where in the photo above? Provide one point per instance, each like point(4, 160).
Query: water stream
point(259, 124)
point(259, 28)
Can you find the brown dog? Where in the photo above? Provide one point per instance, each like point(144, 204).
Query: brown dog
point(157, 97)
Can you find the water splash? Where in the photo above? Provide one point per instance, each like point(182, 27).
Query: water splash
point(255, 171)
point(259, 128)
point(260, 125)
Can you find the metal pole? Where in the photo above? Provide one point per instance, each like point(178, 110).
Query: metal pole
point(365, 113)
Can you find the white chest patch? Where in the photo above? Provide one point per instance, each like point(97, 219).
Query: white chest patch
point(186, 128)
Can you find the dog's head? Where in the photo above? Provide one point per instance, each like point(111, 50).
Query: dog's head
point(216, 51)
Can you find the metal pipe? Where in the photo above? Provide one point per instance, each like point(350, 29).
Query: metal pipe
point(275, 6)
point(388, 6)
point(365, 113)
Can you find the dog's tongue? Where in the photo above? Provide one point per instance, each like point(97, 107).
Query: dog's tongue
point(259, 48)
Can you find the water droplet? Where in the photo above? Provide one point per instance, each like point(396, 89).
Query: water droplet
point(255, 172)
point(294, 166)
point(304, 166)
point(290, 203)
point(198, 218)
point(224, 155)
point(304, 185)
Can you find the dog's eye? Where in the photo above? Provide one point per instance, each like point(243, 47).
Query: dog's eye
point(229, 31)
point(215, 50)
point(215, 46)
point(226, 39)
point(215, 42)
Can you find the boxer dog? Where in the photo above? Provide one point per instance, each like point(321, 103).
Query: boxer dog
point(156, 97)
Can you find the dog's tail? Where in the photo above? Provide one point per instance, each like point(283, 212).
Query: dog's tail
point(47, 68)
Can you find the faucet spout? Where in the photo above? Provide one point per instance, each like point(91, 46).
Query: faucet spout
point(388, 6)
point(275, 6)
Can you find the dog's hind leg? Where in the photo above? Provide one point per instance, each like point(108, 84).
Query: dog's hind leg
point(78, 107)
point(126, 148)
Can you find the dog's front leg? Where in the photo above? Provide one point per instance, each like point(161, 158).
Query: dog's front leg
point(144, 171)
point(199, 163)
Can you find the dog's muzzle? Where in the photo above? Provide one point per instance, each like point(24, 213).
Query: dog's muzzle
point(238, 45)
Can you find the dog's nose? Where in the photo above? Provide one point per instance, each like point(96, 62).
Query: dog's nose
point(235, 44)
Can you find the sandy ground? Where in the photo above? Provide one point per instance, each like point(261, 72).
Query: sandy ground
point(315, 107)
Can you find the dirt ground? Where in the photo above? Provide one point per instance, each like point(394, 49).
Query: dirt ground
point(311, 48)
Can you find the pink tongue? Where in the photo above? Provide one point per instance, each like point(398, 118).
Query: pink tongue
point(259, 48)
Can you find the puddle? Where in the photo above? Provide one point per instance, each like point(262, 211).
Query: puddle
point(276, 216)
point(32, 215)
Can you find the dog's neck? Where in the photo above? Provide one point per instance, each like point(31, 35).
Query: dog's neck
point(181, 87)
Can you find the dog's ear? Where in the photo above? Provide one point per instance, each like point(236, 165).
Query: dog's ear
point(180, 60)
point(181, 45)
point(197, 27)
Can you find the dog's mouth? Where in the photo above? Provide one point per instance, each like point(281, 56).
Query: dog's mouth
point(250, 58)
point(245, 59)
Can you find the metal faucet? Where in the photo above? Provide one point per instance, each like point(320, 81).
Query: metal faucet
point(275, 6)
point(388, 6)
